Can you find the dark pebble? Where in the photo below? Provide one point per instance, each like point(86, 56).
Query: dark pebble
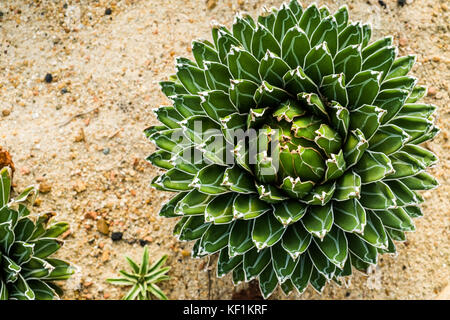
point(108, 12)
point(116, 236)
point(64, 90)
point(401, 2)
point(106, 151)
point(382, 3)
point(347, 294)
point(404, 267)
point(48, 78)
point(143, 242)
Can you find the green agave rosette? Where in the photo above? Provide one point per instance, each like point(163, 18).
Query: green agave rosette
point(329, 175)
point(27, 270)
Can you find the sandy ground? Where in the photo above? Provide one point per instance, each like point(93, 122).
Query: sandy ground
point(81, 135)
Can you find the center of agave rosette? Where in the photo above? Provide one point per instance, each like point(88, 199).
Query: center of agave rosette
point(294, 145)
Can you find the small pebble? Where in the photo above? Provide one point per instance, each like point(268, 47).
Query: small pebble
point(48, 78)
point(382, 3)
point(106, 151)
point(432, 91)
point(401, 2)
point(6, 112)
point(108, 12)
point(116, 236)
point(102, 226)
point(143, 242)
point(45, 187)
point(80, 136)
point(64, 90)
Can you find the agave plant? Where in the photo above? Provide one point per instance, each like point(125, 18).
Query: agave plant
point(143, 278)
point(27, 271)
point(335, 176)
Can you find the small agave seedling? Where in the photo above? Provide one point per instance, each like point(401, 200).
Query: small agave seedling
point(341, 181)
point(26, 243)
point(143, 278)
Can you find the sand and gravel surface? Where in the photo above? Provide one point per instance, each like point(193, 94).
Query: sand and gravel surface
point(80, 136)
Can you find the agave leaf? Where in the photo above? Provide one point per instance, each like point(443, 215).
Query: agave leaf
point(238, 274)
point(268, 95)
point(334, 246)
point(220, 209)
point(420, 181)
point(348, 186)
point(243, 30)
point(374, 166)
point(425, 157)
point(238, 180)
point(296, 188)
point(415, 127)
point(170, 88)
point(217, 76)
point(241, 94)
point(249, 207)
point(319, 63)
point(416, 94)
point(243, 65)
point(301, 275)
point(296, 81)
point(321, 194)
point(377, 196)
point(21, 252)
point(240, 238)
point(270, 194)
point(193, 228)
point(333, 88)
point(169, 116)
point(24, 229)
point(341, 17)
point(340, 118)
point(209, 180)
point(174, 180)
point(294, 47)
point(217, 104)
point(388, 139)
point(188, 105)
point(268, 281)
point(272, 69)
point(328, 140)
point(326, 31)
point(335, 166)
point(354, 147)
point(192, 78)
point(20, 290)
point(267, 231)
point(321, 263)
point(296, 240)
point(263, 40)
point(161, 159)
point(362, 249)
point(5, 186)
point(255, 262)
point(396, 235)
point(351, 35)
point(225, 264)
point(366, 118)
point(6, 236)
point(310, 19)
point(401, 66)
point(350, 216)
point(215, 238)
point(392, 101)
point(348, 61)
point(288, 212)
point(318, 220)
point(225, 41)
point(396, 219)
point(363, 88)
point(11, 270)
point(282, 262)
point(417, 110)
point(404, 83)
point(203, 51)
point(403, 195)
point(41, 290)
point(374, 232)
point(381, 61)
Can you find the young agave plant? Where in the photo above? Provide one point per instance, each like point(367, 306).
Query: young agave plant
point(26, 243)
point(331, 177)
point(143, 278)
